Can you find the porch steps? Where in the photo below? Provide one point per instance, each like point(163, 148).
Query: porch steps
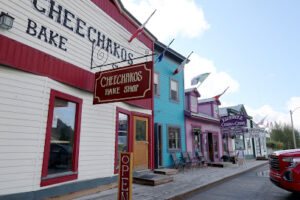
point(220, 164)
point(151, 178)
point(166, 171)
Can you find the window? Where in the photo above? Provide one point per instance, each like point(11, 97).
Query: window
point(197, 140)
point(239, 142)
point(121, 137)
point(215, 141)
point(194, 103)
point(174, 90)
point(141, 131)
point(156, 84)
point(60, 161)
point(225, 146)
point(216, 110)
point(174, 139)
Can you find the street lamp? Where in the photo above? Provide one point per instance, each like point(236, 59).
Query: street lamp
point(291, 113)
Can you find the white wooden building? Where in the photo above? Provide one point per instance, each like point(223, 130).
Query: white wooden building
point(46, 89)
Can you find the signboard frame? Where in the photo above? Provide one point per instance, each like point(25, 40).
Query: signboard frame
point(233, 121)
point(123, 84)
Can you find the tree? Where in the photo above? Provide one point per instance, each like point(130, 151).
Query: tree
point(283, 133)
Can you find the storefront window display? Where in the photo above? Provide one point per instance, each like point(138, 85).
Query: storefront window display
point(62, 139)
point(239, 142)
point(174, 139)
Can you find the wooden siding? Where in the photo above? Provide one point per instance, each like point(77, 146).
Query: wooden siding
point(24, 101)
point(78, 48)
point(167, 112)
point(24, 96)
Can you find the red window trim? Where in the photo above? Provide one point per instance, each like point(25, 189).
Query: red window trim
point(63, 178)
point(121, 110)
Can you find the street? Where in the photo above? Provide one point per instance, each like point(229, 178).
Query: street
point(254, 184)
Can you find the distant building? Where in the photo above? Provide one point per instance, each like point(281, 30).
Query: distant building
point(203, 133)
point(251, 137)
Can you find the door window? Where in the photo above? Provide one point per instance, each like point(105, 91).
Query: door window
point(140, 130)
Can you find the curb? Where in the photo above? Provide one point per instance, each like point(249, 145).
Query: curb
point(203, 187)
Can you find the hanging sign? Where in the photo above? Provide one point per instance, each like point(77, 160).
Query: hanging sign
point(233, 121)
point(125, 176)
point(123, 84)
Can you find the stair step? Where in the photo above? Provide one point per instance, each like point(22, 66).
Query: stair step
point(166, 171)
point(152, 179)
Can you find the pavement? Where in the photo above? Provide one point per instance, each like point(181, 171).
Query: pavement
point(185, 183)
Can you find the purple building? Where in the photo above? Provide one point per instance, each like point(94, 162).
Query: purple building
point(202, 122)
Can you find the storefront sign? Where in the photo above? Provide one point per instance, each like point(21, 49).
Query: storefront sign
point(246, 131)
point(123, 84)
point(72, 21)
point(232, 121)
point(233, 131)
point(125, 176)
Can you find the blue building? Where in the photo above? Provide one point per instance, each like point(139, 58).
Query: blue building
point(169, 125)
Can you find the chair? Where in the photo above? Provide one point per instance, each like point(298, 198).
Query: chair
point(225, 158)
point(177, 162)
point(195, 161)
point(186, 159)
point(200, 157)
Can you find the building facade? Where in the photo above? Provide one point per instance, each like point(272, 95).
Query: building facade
point(251, 138)
point(203, 133)
point(53, 139)
point(168, 107)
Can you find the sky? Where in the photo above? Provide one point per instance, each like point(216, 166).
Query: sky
point(252, 46)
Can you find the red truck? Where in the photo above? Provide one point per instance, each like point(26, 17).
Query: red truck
point(285, 169)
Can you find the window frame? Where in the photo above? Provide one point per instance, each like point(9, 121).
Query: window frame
point(158, 85)
point(128, 113)
point(193, 108)
point(177, 96)
point(66, 176)
point(179, 139)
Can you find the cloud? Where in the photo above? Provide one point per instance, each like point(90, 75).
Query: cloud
point(293, 104)
point(215, 83)
point(273, 115)
point(172, 18)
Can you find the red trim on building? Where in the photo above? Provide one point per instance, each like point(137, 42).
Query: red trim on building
point(121, 110)
point(115, 12)
point(26, 58)
point(78, 102)
point(58, 180)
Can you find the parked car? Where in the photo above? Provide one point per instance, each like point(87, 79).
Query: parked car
point(285, 169)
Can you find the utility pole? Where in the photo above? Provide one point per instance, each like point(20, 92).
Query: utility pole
point(291, 113)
